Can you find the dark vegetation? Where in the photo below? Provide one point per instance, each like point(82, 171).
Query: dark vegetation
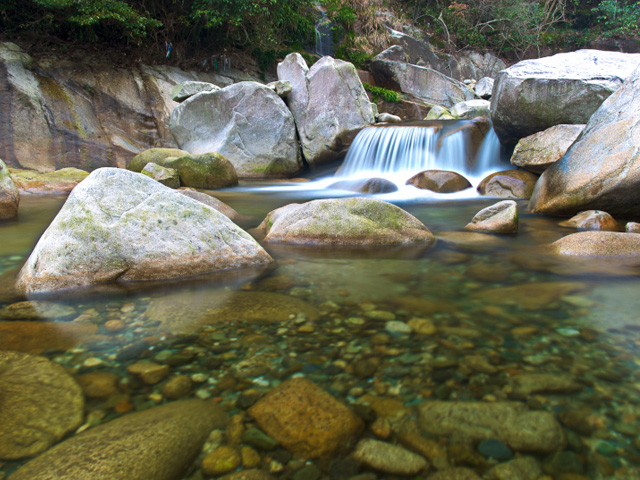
point(141, 30)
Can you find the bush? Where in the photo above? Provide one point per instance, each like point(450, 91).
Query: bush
point(379, 93)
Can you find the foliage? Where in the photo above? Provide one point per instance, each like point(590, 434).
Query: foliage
point(379, 93)
point(619, 18)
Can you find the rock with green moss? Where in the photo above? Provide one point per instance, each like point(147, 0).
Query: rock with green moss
point(119, 225)
point(9, 195)
point(58, 182)
point(208, 170)
point(166, 176)
point(344, 221)
point(438, 112)
point(186, 90)
point(154, 155)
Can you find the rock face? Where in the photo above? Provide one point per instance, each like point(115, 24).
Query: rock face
point(63, 112)
point(9, 195)
point(509, 422)
point(41, 403)
point(508, 184)
point(439, 181)
point(428, 85)
point(306, 420)
point(592, 220)
point(537, 152)
point(329, 104)
point(600, 244)
point(247, 123)
point(344, 221)
point(159, 443)
point(120, 225)
point(188, 89)
point(534, 95)
point(499, 218)
point(601, 170)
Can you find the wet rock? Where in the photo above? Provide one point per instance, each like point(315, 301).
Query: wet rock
point(149, 372)
point(388, 118)
point(484, 87)
point(329, 104)
point(36, 310)
point(177, 387)
point(422, 326)
point(259, 439)
point(212, 202)
point(602, 244)
point(306, 420)
point(439, 181)
point(501, 217)
point(166, 176)
point(115, 226)
point(508, 184)
point(528, 383)
point(525, 468)
point(496, 449)
point(37, 337)
point(159, 443)
point(9, 196)
point(601, 170)
point(562, 462)
point(388, 458)
point(344, 221)
point(252, 474)
point(222, 460)
point(592, 220)
point(462, 454)
point(438, 112)
point(539, 151)
point(154, 155)
point(471, 109)
point(426, 447)
point(98, 384)
point(472, 241)
point(526, 99)
point(577, 421)
point(266, 147)
point(186, 90)
point(59, 182)
point(458, 473)
point(41, 404)
point(370, 186)
point(632, 227)
point(530, 296)
point(510, 422)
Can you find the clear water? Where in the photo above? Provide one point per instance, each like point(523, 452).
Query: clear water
point(500, 302)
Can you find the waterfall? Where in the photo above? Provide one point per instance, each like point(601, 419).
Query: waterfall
point(324, 35)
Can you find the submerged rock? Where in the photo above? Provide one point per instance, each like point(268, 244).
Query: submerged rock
point(499, 218)
point(41, 404)
point(534, 95)
point(160, 443)
point(539, 151)
point(37, 337)
point(601, 170)
point(306, 420)
point(525, 468)
point(344, 221)
point(370, 186)
point(508, 184)
point(510, 422)
point(9, 195)
point(265, 147)
point(186, 90)
point(592, 220)
point(388, 458)
point(439, 181)
point(329, 104)
point(119, 225)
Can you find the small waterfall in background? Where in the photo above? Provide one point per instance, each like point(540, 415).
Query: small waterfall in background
point(324, 35)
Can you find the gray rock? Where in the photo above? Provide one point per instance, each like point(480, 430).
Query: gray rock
point(471, 109)
point(212, 202)
point(388, 458)
point(247, 123)
point(9, 195)
point(525, 468)
point(509, 422)
point(534, 95)
point(438, 112)
point(528, 383)
point(395, 53)
point(388, 118)
point(188, 89)
point(592, 220)
point(501, 217)
point(484, 87)
point(601, 170)
point(281, 87)
point(166, 176)
point(476, 65)
point(120, 225)
point(159, 443)
point(41, 404)
point(344, 221)
point(539, 151)
point(508, 184)
point(329, 104)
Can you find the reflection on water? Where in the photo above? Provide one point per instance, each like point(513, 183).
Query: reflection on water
point(473, 318)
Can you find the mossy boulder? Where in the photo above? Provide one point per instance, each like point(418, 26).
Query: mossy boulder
point(344, 221)
point(154, 155)
point(208, 170)
point(166, 176)
point(58, 182)
point(9, 196)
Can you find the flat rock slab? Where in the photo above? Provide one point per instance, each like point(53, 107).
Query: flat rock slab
point(306, 420)
point(59, 182)
point(160, 444)
point(510, 422)
point(599, 244)
point(41, 403)
point(539, 151)
point(37, 337)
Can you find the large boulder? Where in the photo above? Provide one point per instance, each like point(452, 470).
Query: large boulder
point(247, 123)
point(329, 104)
point(534, 95)
point(439, 181)
point(427, 84)
point(160, 443)
point(599, 244)
point(471, 109)
point(154, 155)
point(601, 170)
point(344, 221)
point(9, 195)
point(120, 225)
point(508, 184)
point(540, 150)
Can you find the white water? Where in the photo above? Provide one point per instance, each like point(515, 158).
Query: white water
point(324, 36)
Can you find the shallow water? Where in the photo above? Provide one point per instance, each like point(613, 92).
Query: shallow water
point(498, 309)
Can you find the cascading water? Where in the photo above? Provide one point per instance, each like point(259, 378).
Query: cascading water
point(324, 35)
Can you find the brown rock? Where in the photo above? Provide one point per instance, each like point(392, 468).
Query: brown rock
point(250, 458)
point(388, 458)
point(501, 217)
point(40, 404)
point(306, 420)
point(149, 373)
point(531, 296)
point(439, 181)
point(472, 241)
point(601, 244)
point(508, 184)
point(528, 383)
point(426, 447)
point(98, 384)
point(60, 182)
point(222, 460)
point(592, 220)
point(457, 473)
point(539, 151)
point(632, 227)
point(525, 468)
point(36, 337)
point(252, 474)
point(177, 387)
point(36, 310)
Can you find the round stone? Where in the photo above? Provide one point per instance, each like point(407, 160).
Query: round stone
point(222, 460)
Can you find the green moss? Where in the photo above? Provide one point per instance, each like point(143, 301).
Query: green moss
point(379, 93)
